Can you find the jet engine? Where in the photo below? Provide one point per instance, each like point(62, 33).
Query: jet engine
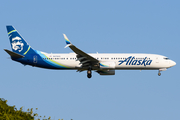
point(107, 65)
point(106, 72)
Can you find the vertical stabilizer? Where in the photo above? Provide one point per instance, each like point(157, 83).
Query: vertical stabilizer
point(18, 44)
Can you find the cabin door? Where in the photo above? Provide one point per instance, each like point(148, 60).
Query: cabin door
point(35, 59)
point(157, 60)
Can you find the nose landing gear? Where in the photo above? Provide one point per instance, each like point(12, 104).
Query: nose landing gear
point(162, 69)
point(159, 74)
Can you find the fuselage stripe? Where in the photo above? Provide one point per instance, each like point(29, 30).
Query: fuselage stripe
point(56, 62)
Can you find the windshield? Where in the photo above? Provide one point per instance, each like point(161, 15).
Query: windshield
point(166, 58)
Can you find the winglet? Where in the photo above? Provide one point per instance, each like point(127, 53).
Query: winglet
point(67, 41)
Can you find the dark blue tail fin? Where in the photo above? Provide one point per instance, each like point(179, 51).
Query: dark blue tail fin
point(18, 44)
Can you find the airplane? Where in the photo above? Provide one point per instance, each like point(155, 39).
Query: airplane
point(103, 64)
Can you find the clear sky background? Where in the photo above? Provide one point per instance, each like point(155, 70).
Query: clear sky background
point(114, 26)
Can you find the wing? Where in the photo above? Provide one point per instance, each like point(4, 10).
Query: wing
point(85, 59)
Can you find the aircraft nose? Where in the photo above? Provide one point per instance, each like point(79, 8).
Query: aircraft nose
point(173, 63)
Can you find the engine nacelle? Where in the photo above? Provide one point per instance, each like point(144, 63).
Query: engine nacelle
point(107, 65)
point(106, 72)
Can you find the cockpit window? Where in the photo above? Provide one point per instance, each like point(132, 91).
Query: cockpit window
point(166, 58)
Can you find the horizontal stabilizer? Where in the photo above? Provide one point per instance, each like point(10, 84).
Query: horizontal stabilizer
point(13, 54)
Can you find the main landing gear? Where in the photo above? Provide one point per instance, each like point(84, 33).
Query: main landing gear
point(89, 73)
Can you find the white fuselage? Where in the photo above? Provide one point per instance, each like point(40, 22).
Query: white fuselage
point(121, 61)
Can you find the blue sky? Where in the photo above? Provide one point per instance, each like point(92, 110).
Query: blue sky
point(150, 26)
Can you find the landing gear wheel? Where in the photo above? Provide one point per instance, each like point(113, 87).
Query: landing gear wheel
point(159, 74)
point(89, 75)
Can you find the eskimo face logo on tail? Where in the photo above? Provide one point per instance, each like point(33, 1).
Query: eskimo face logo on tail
point(132, 61)
point(17, 44)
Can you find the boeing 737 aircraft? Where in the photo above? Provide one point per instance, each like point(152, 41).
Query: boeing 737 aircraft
point(104, 64)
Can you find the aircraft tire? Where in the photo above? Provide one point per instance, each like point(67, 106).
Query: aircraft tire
point(89, 75)
point(159, 74)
